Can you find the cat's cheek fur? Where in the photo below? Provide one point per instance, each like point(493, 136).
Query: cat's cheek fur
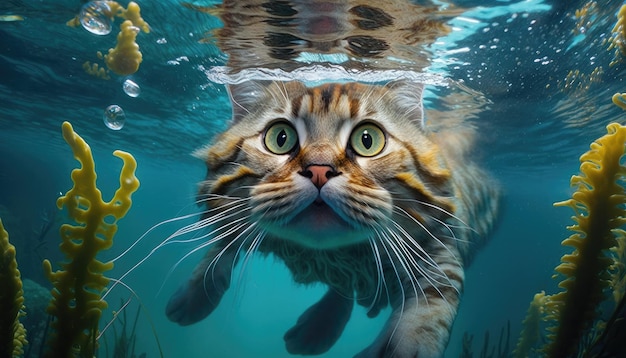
point(377, 205)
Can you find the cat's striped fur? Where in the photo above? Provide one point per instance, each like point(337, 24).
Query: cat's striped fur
point(394, 228)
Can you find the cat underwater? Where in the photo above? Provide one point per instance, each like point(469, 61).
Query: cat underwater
point(347, 186)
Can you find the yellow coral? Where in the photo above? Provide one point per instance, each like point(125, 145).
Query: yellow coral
point(125, 58)
point(12, 332)
point(78, 286)
point(598, 204)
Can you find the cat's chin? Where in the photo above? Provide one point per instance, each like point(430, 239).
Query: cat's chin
point(318, 226)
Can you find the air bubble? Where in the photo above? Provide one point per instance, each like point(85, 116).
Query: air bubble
point(131, 88)
point(114, 117)
point(94, 16)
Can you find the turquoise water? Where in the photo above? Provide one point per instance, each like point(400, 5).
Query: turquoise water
point(506, 63)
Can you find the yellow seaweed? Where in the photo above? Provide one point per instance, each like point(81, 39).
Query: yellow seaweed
point(132, 13)
point(125, 57)
point(12, 332)
point(598, 205)
point(617, 40)
point(76, 303)
point(95, 70)
point(531, 331)
point(619, 99)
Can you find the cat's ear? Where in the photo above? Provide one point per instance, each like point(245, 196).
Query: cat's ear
point(243, 97)
point(409, 96)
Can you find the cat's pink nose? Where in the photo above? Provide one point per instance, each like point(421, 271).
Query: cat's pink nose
point(319, 174)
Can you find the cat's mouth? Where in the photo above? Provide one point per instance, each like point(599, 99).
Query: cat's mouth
point(319, 226)
point(320, 215)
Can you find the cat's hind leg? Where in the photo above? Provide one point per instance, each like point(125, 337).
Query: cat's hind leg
point(320, 326)
point(200, 295)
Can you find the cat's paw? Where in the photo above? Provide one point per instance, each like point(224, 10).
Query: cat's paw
point(190, 303)
point(320, 326)
point(375, 350)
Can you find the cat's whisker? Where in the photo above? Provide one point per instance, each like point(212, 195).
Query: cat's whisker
point(250, 251)
point(232, 227)
point(123, 284)
point(424, 272)
point(248, 231)
point(237, 104)
point(436, 207)
point(170, 239)
point(416, 248)
point(115, 314)
point(406, 264)
point(408, 249)
point(212, 232)
point(413, 246)
point(427, 274)
point(237, 226)
point(154, 227)
point(449, 228)
point(381, 281)
point(385, 241)
point(411, 239)
point(203, 198)
point(453, 235)
point(211, 220)
point(283, 91)
point(430, 234)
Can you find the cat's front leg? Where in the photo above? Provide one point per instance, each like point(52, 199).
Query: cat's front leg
point(419, 327)
point(321, 325)
point(201, 294)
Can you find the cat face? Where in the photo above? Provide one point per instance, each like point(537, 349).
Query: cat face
point(328, 166)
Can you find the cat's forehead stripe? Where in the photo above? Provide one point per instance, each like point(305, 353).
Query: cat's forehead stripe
point(341, 99)
point(295, 106)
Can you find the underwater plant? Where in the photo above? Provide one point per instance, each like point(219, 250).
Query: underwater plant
point(124, 339)
point(125, 57)
point(12, 332)
point(593, 274)
point(78, 286)
point(488, 350)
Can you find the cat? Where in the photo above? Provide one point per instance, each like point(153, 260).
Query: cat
point(347, 185)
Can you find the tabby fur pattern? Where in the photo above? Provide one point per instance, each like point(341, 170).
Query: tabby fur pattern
point(346, 185)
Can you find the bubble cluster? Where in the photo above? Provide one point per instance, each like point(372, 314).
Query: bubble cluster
point(114, 117)
point(131, 88)
point(94, 17)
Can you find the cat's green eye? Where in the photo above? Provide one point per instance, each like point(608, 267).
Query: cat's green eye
point(367, 140)
point(280, 138)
